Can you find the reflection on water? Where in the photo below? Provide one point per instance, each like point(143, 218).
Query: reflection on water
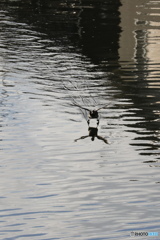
point(141, 77)
point(55, 56)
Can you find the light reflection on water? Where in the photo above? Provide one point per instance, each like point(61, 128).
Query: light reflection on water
point(52, 187)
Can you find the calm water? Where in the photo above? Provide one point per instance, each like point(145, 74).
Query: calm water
point(94, 53)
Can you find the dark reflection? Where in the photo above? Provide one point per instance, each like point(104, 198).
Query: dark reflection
point(145, 108)
point(99, 30)
point(90, 26)
point(39, 6)
point(136, 85)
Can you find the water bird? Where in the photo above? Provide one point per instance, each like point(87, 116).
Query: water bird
point(93, 115)
point(93, 133)
point(93, 123)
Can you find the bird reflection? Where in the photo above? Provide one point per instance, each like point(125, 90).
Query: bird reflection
point(93, 123)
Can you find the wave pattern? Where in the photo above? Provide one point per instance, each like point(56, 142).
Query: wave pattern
point(52, 187)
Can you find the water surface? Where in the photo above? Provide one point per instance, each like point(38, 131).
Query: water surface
point(50, 56)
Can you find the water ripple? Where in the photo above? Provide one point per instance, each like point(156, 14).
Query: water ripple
point(52, 187)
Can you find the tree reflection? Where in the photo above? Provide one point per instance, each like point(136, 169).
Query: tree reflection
point(100, 30)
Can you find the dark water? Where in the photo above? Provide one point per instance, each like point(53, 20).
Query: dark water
point(53, 53)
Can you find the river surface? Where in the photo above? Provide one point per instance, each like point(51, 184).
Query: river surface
point(95, 54)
